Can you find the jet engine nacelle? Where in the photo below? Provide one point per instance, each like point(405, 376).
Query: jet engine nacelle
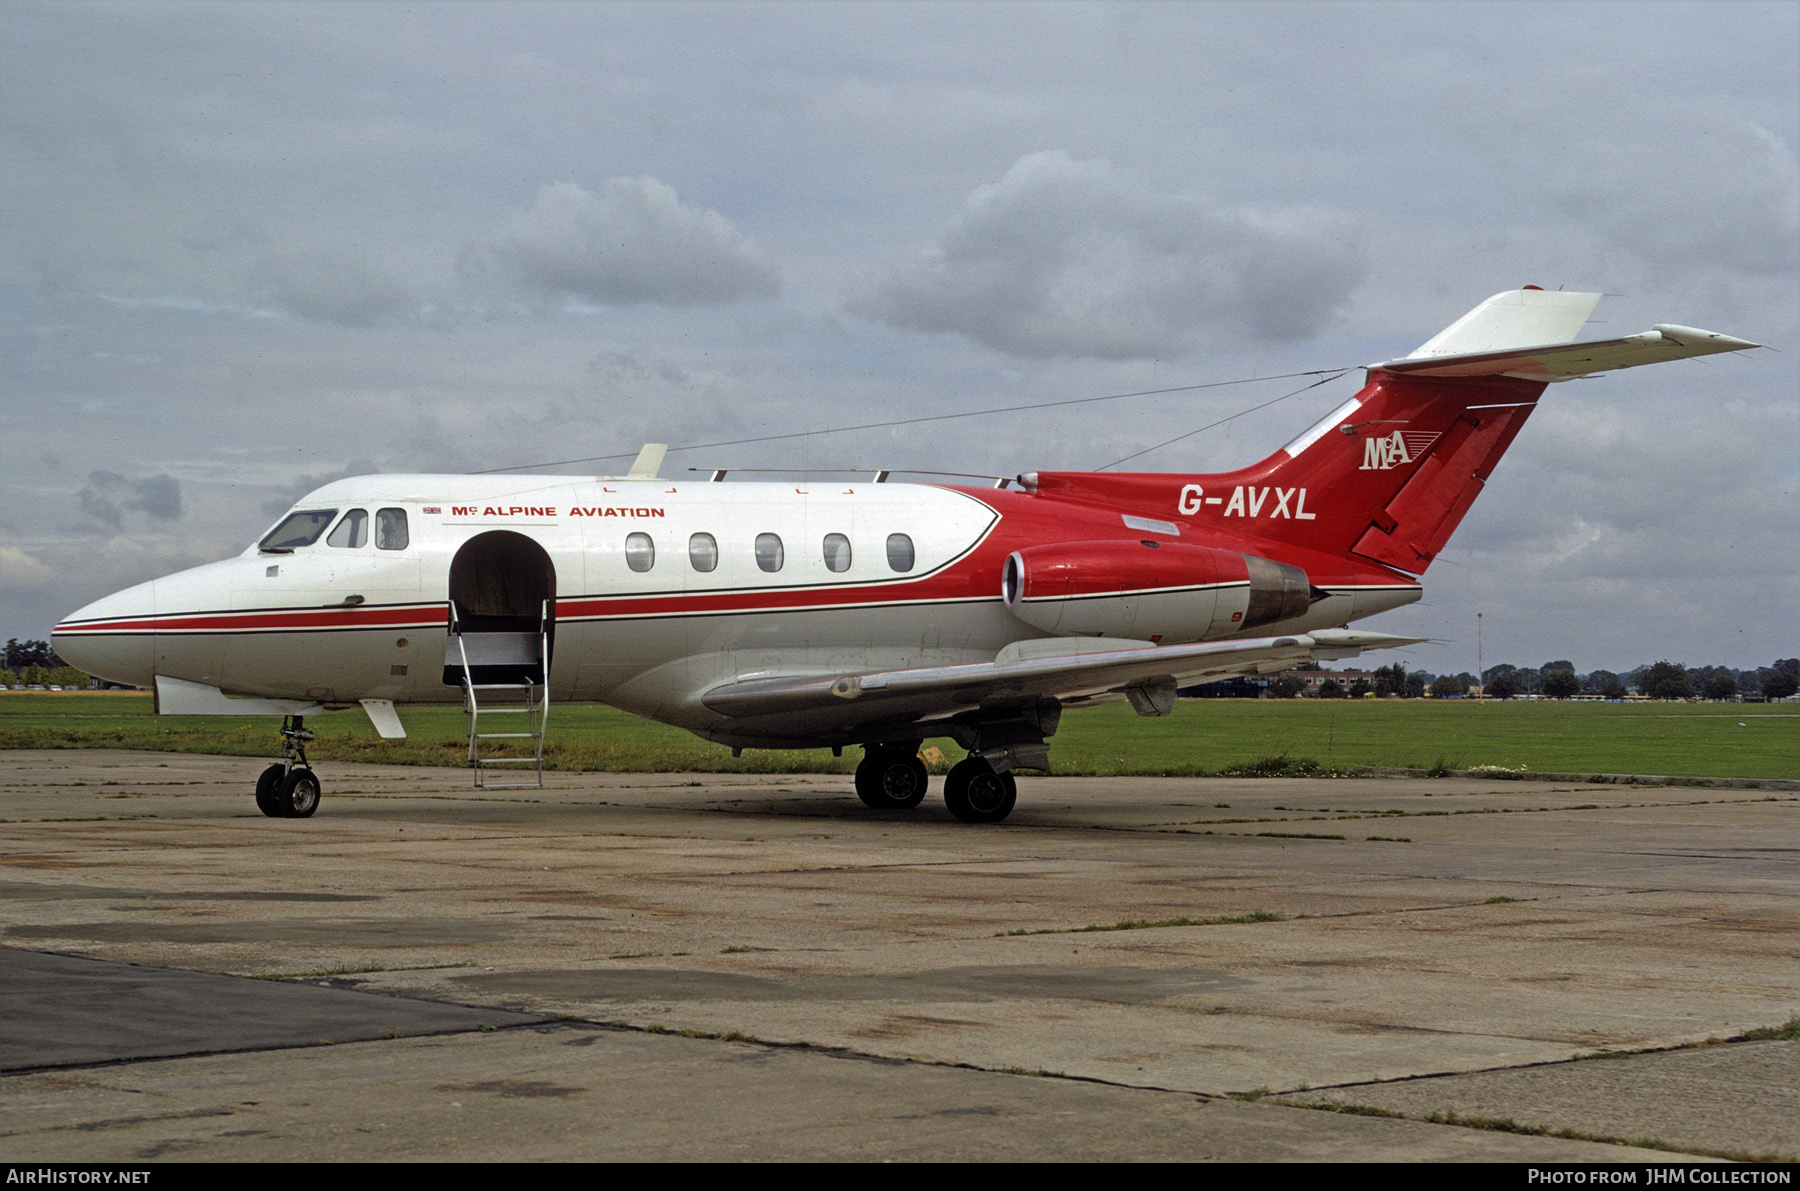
point(1150, 591)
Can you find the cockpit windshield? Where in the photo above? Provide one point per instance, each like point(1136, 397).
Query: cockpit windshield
point(296, 530)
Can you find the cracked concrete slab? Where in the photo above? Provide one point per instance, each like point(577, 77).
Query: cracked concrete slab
point(576, 1093)
point(1742, 1099)
point(63, 1011)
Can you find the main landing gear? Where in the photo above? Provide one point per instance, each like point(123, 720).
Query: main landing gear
point(976, 794)
point(289, 790)
point(892, 777)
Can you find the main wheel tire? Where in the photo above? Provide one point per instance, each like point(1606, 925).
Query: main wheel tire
point(904, 783)
point(300, 794)
point(868, 782)
point(976, 794)
point(268, 791)
point(889, 782)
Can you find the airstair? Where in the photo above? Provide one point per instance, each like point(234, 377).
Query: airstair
point(505, 684)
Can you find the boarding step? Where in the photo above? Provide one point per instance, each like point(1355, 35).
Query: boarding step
point(502, 674)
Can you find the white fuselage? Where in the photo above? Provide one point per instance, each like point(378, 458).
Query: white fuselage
point(659, 590)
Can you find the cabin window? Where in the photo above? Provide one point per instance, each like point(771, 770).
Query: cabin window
point(640, 552)
point(297, 530)
point(837, 552)
point(703, 551)
point(352, 532)
point(768, 551)
point(900, 552)
point(390, 530)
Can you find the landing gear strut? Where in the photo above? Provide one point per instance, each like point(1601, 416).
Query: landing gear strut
point(289, 790)
point(975, 793)
point(891, 776)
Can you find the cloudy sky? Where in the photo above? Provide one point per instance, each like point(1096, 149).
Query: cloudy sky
point(247, 248)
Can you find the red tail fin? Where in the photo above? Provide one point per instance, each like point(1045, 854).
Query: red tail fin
point(1389, 474)
point(1393, 475)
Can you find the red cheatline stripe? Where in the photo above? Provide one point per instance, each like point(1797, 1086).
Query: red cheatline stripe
point(668, 603)
point(323, 618)
point(579, 608)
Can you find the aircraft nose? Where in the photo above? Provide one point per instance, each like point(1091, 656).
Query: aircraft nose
point(112, 638)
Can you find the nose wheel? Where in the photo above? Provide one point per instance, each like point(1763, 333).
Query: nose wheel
point(290, 790)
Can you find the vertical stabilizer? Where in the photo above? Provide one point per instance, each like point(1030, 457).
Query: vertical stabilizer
point(1388, 475)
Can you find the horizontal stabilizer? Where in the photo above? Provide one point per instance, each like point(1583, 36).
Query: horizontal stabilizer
point(1568, 361)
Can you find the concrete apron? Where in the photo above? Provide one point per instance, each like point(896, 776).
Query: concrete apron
point(1488, 926)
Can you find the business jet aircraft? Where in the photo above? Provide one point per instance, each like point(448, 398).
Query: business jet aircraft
point(832, 613)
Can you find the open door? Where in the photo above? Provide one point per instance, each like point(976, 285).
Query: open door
point(503, 609)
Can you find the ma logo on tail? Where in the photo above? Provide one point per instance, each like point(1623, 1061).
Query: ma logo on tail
point(1381, 454)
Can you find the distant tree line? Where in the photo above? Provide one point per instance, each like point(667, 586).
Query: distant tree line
point(34, 663)
point(1560, 680)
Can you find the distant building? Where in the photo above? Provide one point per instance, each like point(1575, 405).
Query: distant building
point(1312, 680)
point(1257, 687)
point(1229, 688)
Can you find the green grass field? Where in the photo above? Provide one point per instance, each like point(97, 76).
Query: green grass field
point(1203, 736)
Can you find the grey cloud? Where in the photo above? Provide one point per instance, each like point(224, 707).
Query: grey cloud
point(1720, 192)
point(1064, 257)
point(333, 286)
point(108, 496)
point(635, 242)
point(147, 188)
point(291, 492)
point(622, 369)
point(157, 496)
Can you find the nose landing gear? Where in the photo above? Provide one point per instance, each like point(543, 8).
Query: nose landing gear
point(289, 790)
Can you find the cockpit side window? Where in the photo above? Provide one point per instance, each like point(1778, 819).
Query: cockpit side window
point(297, 530)
point(390, 530)
point(352, 532)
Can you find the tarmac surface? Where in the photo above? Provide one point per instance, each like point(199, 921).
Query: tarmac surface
point(680, 966)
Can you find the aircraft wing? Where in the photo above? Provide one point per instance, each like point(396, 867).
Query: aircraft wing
point(1145, 673)
point(1568, 361)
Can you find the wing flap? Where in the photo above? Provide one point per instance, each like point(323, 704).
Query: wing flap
point(936, 691)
